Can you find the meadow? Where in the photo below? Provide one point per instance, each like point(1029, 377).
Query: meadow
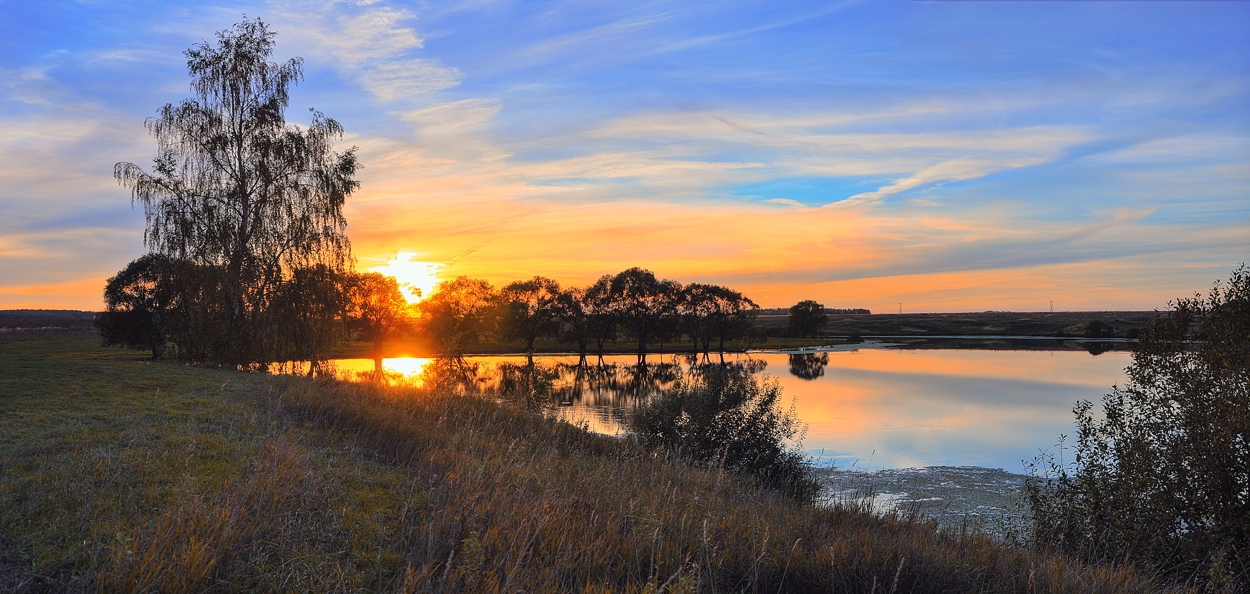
point(122, 474)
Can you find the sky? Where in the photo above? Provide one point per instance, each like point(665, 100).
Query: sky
point(923, 155)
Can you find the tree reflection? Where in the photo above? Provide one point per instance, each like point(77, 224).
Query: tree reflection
point(454, 375)
point(808, 366)
point(1099, 347)
point(530, 384)
point(538, 384)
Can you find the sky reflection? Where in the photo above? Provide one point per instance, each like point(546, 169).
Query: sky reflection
point(867, 409)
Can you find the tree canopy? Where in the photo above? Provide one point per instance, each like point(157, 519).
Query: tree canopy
point(459, 313)
point(237, 190)
point(641, 301)
point(142, 305)
point(807, 318)
point(530, 308)
point(377, 307)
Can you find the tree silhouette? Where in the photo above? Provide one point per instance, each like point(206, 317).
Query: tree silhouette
point(807, 318)
point(713, 312)
point(642, 302)
point(310, 309)
point(459, 313)
point(696, 305)
point(235, 188)
point(599, 307)
point(530, 309)
point(733, 316)
point(142, 305)
point(377, 307)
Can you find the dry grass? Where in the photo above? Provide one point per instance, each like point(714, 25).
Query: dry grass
point(119, 475)
point(518, 502)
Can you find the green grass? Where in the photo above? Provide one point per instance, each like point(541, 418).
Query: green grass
point(112, 467)
point(118, 474)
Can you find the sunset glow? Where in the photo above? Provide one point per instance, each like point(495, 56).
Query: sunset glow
point(417, 280)
point(948, 156)
point(410, 368)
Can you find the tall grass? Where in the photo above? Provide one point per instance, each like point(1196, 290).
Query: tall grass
point(118, 475)
point(520, 502)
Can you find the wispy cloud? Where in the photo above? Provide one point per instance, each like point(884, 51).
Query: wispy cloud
point(958, 169)
point(370, 42)
point(974, 154)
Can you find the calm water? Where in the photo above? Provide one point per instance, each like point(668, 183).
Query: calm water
point(869, 409)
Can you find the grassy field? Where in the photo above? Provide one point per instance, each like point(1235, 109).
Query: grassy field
point(118, 474)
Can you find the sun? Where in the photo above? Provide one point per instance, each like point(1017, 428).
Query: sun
point(417, 280)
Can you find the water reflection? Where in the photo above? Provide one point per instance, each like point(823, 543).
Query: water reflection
point(808, 366)
point(871, 408)
point(1098, 348)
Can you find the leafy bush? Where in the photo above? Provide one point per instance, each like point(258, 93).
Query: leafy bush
point(1162, 476)
point(143, 305)
point(725, 415)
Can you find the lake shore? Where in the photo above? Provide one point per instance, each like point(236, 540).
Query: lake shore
point(122, 472)
point(1006, 330)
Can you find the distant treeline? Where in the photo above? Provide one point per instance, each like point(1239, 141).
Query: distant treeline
point(781, 311)
point(45, 314)
point(632, 305)
point(172, 306)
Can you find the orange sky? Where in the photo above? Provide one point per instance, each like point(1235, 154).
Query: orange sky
point(946, 156)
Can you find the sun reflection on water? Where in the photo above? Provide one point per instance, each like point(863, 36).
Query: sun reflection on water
point(410, 368)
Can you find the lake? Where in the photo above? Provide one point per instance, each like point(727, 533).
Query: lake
point(867, 409)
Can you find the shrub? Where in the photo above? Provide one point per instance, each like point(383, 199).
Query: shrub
point(1099, 329)
point(725, 415)
point(1162, 476)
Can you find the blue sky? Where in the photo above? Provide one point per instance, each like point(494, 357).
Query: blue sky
point(952, 155)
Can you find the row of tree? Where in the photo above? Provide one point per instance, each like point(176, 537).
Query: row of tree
point(179, 307)
point(176, 306)
point(250, 261)
point(158, 303)
point(632, 304)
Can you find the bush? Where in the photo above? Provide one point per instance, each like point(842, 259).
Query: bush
point(1099, 329)
point(1162, 476)
point(725, 415)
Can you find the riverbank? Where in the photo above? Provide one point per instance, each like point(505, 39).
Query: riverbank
point(122, 474)
point(1006, 330)
point(1059, 324)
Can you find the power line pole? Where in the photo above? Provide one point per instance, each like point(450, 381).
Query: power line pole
point(900, 309)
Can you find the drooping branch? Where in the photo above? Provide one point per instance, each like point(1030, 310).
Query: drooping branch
point(233, 186)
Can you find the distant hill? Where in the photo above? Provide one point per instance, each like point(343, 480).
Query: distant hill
point(42, 320)
point(45, 314)
point(1077, 324)
point(785, 311)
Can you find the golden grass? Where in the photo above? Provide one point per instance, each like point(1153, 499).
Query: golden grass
point(120, 475)
point(518, 502)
